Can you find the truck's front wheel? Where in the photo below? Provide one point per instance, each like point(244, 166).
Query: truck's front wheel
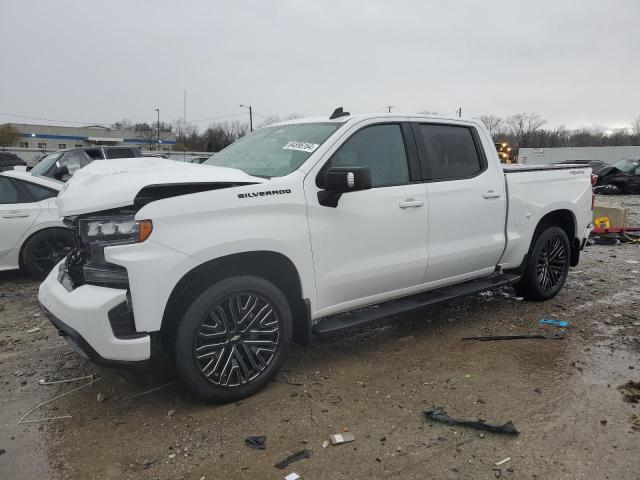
point(547, 265)
point(233, 339)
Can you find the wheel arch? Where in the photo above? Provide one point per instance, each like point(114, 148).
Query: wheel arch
point(566, 220)
point(272, 266)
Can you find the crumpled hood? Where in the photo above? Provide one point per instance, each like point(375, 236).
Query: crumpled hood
point(107, 184)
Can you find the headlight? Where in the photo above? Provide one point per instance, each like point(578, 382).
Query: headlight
point(96, 233)
point(115, 230)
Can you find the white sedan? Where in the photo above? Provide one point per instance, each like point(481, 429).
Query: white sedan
point(32, 236)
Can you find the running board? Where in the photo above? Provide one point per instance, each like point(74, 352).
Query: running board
point(367, 315)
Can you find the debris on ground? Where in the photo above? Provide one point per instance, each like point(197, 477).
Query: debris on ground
point(635, 422)
point(293, 458)
point(292, 476)
point(33, 330)
point(630, 391)
point(439, 415)
point(554, 322)
point(341, 438)
point(325, 444)
point(511, 337)
point(502, 462)
point(257, 442)
point(100, 398)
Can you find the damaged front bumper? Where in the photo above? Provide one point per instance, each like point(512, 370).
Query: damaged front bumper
point(87, 317)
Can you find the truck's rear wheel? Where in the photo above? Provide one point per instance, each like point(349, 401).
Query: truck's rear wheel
point(547, 265)
point(233, 339)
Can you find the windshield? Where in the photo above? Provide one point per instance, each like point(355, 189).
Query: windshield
point(627, 165)
point(45, 164)
point(274, 151)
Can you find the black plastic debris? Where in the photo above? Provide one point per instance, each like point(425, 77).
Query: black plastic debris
point(490, 338)
point(259, 443)
point(439, 415)
point(293, 458)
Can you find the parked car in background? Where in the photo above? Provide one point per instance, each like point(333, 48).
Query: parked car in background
point(595, 165)
point(8, 159)
point(304, 228)
point(32, 236)
point(64, 163)
point(157, 155)
point(622, 177)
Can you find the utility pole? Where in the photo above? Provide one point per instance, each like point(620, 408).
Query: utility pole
point(389, 107)
point(158, 145)
point(250, 116)
point(184, 133)
point(459, 112)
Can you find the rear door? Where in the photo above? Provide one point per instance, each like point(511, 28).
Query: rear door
point(467, 202)
point(374, 241)
point(17, 213)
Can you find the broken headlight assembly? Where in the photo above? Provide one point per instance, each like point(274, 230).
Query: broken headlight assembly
point(96, 233)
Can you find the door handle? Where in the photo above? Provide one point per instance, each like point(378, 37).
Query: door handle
point(15, 215)
point(411, 203)
point(491, 194)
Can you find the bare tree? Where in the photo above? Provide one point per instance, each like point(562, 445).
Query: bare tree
point(220, 135)
point(148, 133)
point(270, 120)
point(492, 122)
point(523, 126)
point(9, 135)
point(124, 124)
point(186, 135)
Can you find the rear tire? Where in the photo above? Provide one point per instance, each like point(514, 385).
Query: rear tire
point(44, 249)
point(546, 266)
point(233, 339)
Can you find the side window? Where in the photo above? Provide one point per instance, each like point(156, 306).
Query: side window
point(119, 153)
point(38, 192)
point(75, 160)
point(451, 151)
point(379, 147)
point(94, 153)
point(8, 191)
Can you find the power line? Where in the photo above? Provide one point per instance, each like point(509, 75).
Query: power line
point(48, 119)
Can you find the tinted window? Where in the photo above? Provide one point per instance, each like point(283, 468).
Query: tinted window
point(8, 192)
point(46, 165)
point(94, 153)
point(38, 192)
point(120, 153)
point(451, 151)
point(379, 147)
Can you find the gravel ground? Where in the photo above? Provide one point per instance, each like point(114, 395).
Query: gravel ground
point(374, 382)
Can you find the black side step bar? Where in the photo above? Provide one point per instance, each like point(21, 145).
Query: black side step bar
point(364, 316)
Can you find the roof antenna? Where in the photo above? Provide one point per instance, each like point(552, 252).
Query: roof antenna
point(339, 112)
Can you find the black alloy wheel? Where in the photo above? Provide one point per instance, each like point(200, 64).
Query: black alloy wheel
point(237, 339)
point(44, 250)
point(233, 338)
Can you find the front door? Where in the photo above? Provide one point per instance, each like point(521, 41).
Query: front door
point(374, 241)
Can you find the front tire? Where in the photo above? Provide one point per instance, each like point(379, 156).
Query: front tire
point(547, 265)
point(233, 339)
point(44, 249)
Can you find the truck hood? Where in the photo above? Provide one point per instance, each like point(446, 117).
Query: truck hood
point(107, 184)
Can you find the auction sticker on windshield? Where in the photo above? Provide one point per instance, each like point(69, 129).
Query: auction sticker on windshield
point(301, 146)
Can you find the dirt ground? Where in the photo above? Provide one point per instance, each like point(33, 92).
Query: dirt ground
point(376, 382)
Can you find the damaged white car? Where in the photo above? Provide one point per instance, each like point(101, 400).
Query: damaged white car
point(300, 229)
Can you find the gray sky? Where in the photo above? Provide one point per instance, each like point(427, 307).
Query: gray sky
point(574, 62)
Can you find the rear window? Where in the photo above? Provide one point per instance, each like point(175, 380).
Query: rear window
point(120, 153)
point(8, 192)
point(451, 151)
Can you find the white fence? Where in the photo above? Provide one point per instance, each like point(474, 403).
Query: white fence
point(31, 155)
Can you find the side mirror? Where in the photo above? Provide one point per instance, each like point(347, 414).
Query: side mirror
point(339, 180)
point(61, 172)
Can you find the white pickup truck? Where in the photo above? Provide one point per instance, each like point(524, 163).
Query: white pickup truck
point(297, 230)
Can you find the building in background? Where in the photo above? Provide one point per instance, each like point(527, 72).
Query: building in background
point(548, 156)
point(50, 138)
